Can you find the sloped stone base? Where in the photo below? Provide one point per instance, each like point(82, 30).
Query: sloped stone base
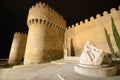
point(96, 71)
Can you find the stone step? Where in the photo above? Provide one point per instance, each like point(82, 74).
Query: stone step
point(72, 58)
point(62, 61)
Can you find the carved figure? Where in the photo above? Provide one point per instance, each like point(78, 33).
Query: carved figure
point(91, 55)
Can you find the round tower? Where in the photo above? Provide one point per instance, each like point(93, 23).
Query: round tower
point(18, 48)
point(45, 35)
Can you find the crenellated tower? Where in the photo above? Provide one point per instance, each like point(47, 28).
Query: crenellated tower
point(18, 48)
point(45, 36)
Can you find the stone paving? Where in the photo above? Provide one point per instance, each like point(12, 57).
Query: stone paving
point(48, 71)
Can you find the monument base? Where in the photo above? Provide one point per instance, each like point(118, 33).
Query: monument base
point(96, 71)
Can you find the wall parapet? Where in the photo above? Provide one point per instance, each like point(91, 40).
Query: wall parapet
point(112, 10)
point(43, 11)
point(20, 34)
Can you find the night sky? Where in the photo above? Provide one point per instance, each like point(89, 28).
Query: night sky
point(13, 15)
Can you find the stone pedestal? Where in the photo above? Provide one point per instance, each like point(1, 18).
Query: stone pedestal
point(96, 71)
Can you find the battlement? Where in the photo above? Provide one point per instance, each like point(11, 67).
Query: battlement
point(98, 16)
point(20, 34)
point(44, 12)
point(92, 30)
point(46, 23)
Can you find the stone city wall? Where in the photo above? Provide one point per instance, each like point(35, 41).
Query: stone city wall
point(93, 30)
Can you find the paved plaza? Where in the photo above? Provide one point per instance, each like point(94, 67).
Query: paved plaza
point(48, 71)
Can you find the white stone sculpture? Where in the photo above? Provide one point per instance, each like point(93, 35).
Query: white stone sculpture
point(91, 55)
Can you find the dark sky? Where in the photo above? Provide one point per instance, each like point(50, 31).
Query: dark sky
point(13, 14)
